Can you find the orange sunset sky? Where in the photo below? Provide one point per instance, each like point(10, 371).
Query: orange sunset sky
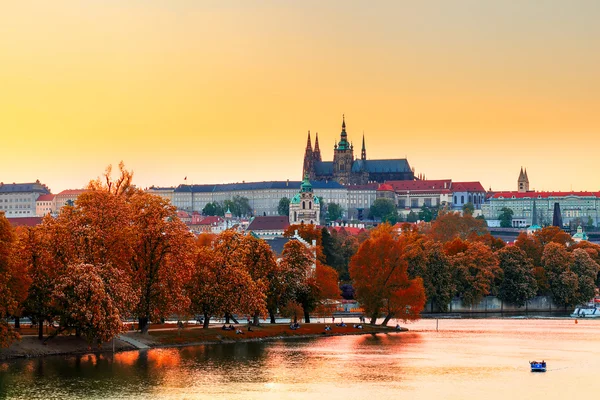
point(225, 91)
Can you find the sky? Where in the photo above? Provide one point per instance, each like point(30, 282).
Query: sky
point(225, 91)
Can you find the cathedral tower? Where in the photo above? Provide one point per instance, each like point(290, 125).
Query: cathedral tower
point(343, 157)
point(309, 161)
point(523, 181)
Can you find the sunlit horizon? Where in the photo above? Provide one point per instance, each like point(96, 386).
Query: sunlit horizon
point(223, 92)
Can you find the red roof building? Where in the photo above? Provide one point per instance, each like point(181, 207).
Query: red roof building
point(273, 226)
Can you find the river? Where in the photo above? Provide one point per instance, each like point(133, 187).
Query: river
point(465, 359)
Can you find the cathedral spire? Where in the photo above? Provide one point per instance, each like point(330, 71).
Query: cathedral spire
point(308, 144)
point(317, 151)
point(343, 144)
point(363, 152)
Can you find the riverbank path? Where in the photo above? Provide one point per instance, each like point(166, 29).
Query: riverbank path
point(136, 343)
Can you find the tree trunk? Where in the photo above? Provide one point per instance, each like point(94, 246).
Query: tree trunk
point(143, 325)
point(272, 316)
point(17, 323)
point(373, 319)
point(41, 329)
point(235, 321)
point(306, 317)
point(226, 318)
point(387, 319)
point(206, 320)
point(255, 320)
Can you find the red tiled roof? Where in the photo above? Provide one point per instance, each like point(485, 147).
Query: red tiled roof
point(182, 214)
point(385, 187)
point(277, 222)
point(441, 185)
point(210, 220)
point(467, 187)
point(348, 229)
point(542, 195)
point(46, 197)
point(26, 221)
point(72, 192)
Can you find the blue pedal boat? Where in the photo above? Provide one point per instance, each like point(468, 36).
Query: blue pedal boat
point(538, 366)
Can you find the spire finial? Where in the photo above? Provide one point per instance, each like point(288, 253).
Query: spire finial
point(343, 121)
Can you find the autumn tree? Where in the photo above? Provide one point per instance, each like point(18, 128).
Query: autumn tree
point(10, 282)
point(586, 270)
point(162, 260)
point(308, 232)
point(297, 281)
point(380, 275)
point(36, 253)
point(475, 269)
point(84, 304)
point(260, 264)
point(222, 283)
point(451, 225)
point(563, 282)
point(518, 283)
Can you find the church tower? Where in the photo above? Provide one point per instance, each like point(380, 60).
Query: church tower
point(317, 151)
point(308, 167)
point(523, 181)
point(363, 152)
point(343, 157)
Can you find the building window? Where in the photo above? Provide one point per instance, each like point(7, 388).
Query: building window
point(303, 205)
point(428, 202)
point(455, 201)
point(414, 203)
point(462, 199)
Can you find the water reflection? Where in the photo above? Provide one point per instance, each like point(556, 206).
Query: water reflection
point(464, 359)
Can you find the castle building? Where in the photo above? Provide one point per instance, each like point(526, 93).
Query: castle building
point(347, 170)
point(304, 206)
point(531, 208)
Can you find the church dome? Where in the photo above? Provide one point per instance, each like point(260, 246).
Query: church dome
point(295, 199)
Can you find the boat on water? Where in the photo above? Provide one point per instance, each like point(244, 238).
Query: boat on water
point(538, 366)
point(590, 310)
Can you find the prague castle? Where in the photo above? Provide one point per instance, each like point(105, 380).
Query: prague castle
point(347, 170)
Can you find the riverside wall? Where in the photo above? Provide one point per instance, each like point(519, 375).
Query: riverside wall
point(491, 304)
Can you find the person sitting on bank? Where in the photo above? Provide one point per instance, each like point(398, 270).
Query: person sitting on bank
point(224, 327)
point(239, 332)
point(398, 327)
point(250, 328)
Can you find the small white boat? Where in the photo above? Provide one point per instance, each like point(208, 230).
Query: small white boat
point(591, 310)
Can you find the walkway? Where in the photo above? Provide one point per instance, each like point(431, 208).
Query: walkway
point(136, 343)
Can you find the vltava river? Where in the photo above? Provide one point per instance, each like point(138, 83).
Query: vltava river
point(465, 359)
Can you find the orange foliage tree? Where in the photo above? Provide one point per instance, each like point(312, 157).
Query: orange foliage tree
point(451, 225)
point(308, 232)
point(380, 275)
point(84, 304)
point(475, 269)
point(222, 284)
point(162, 260)
point(11, 283)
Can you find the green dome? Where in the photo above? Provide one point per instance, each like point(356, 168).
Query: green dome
point(306, 186)
point(295, 199)
point(316, 200)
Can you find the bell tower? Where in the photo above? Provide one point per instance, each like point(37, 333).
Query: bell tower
point(343, 157)
point(523, 181)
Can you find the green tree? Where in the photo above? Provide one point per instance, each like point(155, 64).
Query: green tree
point(412, 217)
point(437, 278)
point(213, 208)
point(426, 214)
point(590, 222)
point(586, 270)
point(518, 283)
point(382, 207)
point(505, 217)
point(283, 208)
point(468, 208)
point(334, 212)
point(562, 281)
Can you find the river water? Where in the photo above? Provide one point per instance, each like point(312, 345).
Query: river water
point(464, 359)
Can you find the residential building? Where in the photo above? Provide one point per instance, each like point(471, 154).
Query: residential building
point(44, 205)
point(268, 227)
point(18, 200)
point(66, 197)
